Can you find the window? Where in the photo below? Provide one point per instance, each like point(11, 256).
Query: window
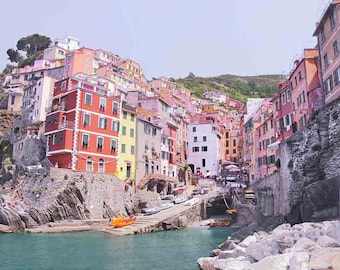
point(195, 149)
point(336, 75)
point(113, 146)
point(86, 140)
point(115, 108)
point(154, 131)
point(63, 85)
point(102, 104)
point(287, 120)
point(295, 79)
point(88, 99)
point(132, 150)
point(87, 119)
point(227, 152)
point(123, 130)
point(227, 143)
point(147, 128)
point(234, 142)
point(132, 117)
point(227, 135)
point(234, 151)
point(115, 126)
point(329, 84)
point(102, 122)
point(322, 33)
point(260, 146)
point(332, 20)
point(325, 61)
point(123, 148)
point(101, 166)
point(194, 129)
point(283, 98)
point(195, 139)
point(204, 148)
point(203, 162)
point(204, 138)
point(53, 138)
point(100, 143)
point(89, 164)
point(259, 132)
point(300, 75)
point(124, 115)
point(12, 100)
point(289, 95)
point(335, 48)
point(132, 132)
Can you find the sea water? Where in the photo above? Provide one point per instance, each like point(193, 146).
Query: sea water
point(167, 250)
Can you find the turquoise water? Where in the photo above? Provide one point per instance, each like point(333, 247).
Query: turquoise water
point(84, 251)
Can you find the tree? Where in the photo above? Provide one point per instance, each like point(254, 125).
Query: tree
point(31, 46)
point(14, 55)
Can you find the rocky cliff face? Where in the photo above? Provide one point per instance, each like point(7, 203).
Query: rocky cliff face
point(307, 186)
point(43, 197)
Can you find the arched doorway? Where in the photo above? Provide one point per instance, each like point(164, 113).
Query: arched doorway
point(101, 166)
point(89, 164)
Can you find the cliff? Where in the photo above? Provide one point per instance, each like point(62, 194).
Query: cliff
point(41, 197)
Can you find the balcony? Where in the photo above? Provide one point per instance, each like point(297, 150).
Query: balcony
point(66, 125)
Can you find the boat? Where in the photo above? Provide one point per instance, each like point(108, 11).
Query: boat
point(152, 210)
point(192, 201)
point(166, 205)
point(180, 200)
point(231, 211)
point(123, 221)
point(219, 223)
point(168, 197)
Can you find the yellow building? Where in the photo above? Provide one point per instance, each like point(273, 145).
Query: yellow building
point(127, 140)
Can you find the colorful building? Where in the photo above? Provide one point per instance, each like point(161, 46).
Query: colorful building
point(328, 33)
point(127, 141)
point(83, 126)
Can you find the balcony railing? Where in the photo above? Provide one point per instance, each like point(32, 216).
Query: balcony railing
point(66, 124)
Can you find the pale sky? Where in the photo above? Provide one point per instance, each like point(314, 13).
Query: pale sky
point(174, 37)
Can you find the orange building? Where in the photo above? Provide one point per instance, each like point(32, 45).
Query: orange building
point(79, 61)
point(83, 126)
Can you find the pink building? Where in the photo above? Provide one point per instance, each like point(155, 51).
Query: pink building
point(328, 33)
point(286, 110)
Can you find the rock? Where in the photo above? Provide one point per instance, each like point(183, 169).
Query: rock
point(326, 241)
point(282, 227)
point(238, 251)
point(324, 259)
point(299, 261)
point(206, 263)
point(304, 244)
point(285, 242)
point(277, 262)
point(215, 252)
point(336, 263)
point(312, 234)
point(250, 239)
point(5, 229)
point(263, 248)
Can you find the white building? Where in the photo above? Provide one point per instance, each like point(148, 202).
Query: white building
point(37, 99)
point(204, 148)
point(68, 43)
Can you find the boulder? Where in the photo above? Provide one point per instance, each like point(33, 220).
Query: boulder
point(248, 240)
point(299, 261)
point(277, 262)
point(304, 244)
point(283, 227)
point(326, 241)
point(263, 248)
point(325, 259)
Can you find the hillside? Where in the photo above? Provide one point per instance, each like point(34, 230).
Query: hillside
point(237, 87)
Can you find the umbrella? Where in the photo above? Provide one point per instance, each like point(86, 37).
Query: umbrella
point(229, 167)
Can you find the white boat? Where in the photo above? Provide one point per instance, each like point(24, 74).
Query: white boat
point(152, 210)
point(168, 197)
point(192, 201)
point(166, 205)
point(180, 200)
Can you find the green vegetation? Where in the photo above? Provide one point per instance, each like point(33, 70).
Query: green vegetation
point(28, 49)
point(237, 87)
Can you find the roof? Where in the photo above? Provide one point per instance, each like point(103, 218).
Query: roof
point(324, 15)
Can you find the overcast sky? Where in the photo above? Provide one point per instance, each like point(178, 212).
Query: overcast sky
point(175, 37)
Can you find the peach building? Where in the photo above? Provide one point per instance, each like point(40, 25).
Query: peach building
point(328, 33)
point(304, 82)
point(79, 61)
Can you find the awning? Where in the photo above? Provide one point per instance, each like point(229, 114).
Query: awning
point(274, 145)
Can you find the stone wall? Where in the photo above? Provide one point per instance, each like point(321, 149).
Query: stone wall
point(307, 186)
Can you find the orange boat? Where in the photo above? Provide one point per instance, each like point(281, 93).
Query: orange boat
point(123, 221)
